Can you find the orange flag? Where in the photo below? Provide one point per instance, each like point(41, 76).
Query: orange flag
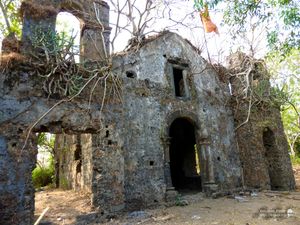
point(209, 26)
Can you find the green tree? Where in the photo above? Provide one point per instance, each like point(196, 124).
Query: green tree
point(281, 19)
point(285, 72)
point(9, 19)
point(44, 173)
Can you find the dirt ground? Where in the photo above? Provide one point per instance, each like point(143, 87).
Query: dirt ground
point(263, 208)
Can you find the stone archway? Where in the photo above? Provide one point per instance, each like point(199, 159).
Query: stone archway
point(184, 156)
point(202, 141)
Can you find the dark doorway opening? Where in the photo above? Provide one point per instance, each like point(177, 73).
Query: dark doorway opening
point(272, 162)
point(184, 158)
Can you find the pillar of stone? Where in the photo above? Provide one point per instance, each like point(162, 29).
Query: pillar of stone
point(209, 184)
point(171, 194)
point(16, 188)
point(167, 170)
point(95, 34)
point(91, 44)
point(38, 22)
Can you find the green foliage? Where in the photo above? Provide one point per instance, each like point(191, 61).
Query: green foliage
point(55, 52)
point(43, 176)
point(179, 201)
point(295, 160)
point(46, 142)
point(285, 72)
point(278, 96)
point(261, 90)
point(200, 4)
point(275, 15)
point(54, 45)
point(9, 19)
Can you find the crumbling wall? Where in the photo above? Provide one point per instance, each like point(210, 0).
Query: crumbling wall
point(24, 102)
point(266, 164)
point(87, 163)
point(257, 160)
point(39, 17)
point(108, 174)
point(21, 106)
point(150, 106)
point(27, 108)
point(18, 112)
point(16, 188)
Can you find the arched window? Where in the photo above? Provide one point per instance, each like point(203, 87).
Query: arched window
point(68, 29)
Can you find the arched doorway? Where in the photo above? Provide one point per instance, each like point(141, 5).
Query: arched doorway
point(272, 159)
point(184, 156)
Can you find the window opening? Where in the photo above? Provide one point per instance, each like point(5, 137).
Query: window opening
point(178, 82)
point(68, 30)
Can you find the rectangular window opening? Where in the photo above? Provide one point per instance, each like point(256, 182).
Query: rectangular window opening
point(178, 82)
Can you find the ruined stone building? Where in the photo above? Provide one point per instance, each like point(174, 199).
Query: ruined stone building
point(175, 128)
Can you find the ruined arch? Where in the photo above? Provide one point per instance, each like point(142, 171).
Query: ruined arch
point(38, 15)
point(192, 122)
point(190, 116)
point(73, 7)
point(184, 155)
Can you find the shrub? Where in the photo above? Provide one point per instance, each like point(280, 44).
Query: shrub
point(295, 160)
point(43, 176)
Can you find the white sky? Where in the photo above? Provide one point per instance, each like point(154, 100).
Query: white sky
point(219, 46)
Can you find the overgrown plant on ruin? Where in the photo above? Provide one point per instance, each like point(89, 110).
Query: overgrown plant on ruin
point(131, 126)
point(52, 62)
point(249, 82)
point(61, 77)
point(52, 59)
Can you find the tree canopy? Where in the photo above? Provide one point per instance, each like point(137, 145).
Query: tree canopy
point(281, 18)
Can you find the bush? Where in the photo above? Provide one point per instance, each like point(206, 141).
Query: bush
point(295, 160)
point(42, 176)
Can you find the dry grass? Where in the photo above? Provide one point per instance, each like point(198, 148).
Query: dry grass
point(11, 59)
point(10, 44)
point(37, 11)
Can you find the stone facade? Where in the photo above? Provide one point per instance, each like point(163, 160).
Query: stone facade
point(173, 130)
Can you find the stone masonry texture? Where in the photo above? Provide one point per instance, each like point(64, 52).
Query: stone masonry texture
point(119, 152)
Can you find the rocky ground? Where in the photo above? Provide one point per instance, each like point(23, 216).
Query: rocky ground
point(263, 208)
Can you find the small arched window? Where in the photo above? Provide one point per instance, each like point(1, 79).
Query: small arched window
point(68, 29)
